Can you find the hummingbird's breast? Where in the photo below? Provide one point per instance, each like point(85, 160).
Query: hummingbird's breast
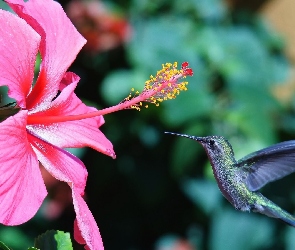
point(231, 185)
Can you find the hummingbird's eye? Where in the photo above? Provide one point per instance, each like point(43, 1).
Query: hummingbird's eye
point(211, 142)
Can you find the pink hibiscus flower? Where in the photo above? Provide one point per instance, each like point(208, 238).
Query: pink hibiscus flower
point(43, 27)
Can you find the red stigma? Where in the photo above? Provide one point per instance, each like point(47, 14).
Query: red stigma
point(184, 65)
point(187, 71)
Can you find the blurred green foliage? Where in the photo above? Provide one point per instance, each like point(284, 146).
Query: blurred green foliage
point(237, 59)
point(161, 188)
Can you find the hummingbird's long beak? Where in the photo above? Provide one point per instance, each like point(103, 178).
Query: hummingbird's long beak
point(196, 138)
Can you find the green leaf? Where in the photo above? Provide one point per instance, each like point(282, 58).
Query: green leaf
point(54, 240)
point(3, 246)
point(63, 241)
point(33, 248)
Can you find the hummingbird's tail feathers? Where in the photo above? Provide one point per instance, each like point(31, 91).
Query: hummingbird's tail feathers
point(272, 210)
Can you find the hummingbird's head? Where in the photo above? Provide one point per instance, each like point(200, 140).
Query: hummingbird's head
point(217, 147)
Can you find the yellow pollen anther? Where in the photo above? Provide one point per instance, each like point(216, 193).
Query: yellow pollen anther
point(165, 85)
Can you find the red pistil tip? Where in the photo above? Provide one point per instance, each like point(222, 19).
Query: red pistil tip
point(187, 71)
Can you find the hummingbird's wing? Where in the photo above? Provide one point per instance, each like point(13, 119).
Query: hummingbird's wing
point(268, 164)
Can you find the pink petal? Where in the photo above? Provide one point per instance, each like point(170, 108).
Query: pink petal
point(60, 45)
point(71, 134)
point(18, 50)
point(85, 226)
point(60, 163)
point(22, 189)
point(77, 233)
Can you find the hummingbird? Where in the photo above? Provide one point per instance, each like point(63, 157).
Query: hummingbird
point(239, 181)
